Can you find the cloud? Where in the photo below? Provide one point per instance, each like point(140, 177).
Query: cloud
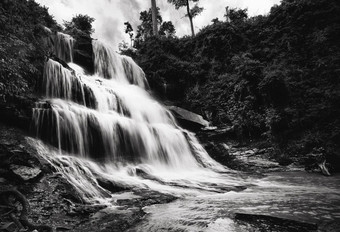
point(110, 15)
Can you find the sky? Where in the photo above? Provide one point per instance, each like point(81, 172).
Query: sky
point(110, 15)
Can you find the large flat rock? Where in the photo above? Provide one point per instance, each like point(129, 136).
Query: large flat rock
point(188, 119)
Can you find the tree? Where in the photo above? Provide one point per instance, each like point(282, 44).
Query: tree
point(215, 21)
point(155, 12)
point(167, 29)
point(145, 29)
point(80, 22)
point(234, 15)
point(129, 30)
point(191, 13)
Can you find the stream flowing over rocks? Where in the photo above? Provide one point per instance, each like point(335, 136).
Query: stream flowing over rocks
point(106, 156)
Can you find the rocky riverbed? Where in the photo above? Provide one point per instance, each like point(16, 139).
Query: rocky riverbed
point(52, 201)
point(274, 198)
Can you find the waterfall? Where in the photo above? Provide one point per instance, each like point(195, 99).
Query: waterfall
point(121, 68)
point(63, 46)
point(108, 123)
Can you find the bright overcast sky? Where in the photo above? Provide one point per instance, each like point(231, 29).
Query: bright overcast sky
point(110, 15)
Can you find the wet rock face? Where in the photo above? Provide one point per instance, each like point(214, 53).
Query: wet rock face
point(16, 110)
point(18, 164)
point(269, 223)
point(112, 186)
point(83, 53)
point(113, 220)
point(25, 173)
point(18, 160)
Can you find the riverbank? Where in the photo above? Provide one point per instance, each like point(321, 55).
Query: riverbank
point(260, 156)
point(294, 194)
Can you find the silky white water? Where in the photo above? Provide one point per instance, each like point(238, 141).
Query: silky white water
point(63, 46)
point(107, 126)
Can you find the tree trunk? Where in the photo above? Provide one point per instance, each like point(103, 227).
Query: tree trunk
point(190, 18)
point(154, 17)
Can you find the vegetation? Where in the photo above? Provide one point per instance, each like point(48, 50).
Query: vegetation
point(22, 49)
point(80, 26)
point(145, 30)
point(272, 77)
point(191, 12)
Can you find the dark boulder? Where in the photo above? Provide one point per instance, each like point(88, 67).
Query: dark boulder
point(188, 119)
point(20, 162)
point(16, 110)
point(111, 186)
point(60, 61)
point(83, 53)
point(144, 174)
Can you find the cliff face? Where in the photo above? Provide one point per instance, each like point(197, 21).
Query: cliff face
point(83, 53)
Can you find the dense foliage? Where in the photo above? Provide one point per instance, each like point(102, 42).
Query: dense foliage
point(22, 50)
point(145, 29)
point(80, 22)
point(273, 77)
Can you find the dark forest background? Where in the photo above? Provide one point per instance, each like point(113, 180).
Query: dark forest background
point(273, 77)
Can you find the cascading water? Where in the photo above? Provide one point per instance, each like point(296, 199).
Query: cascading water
point(111, 66)
point(63, 46)
point(108, 126)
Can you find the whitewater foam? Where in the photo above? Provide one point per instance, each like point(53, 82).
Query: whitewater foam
point(108, 126)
